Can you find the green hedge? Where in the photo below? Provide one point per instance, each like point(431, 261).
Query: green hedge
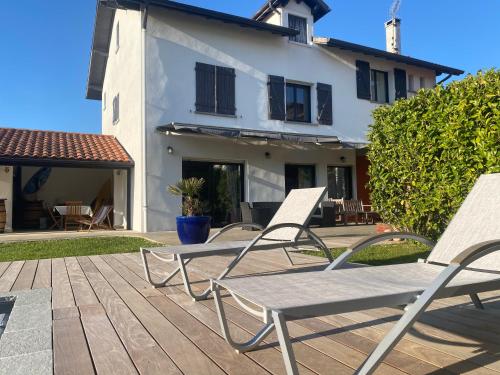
point(426, 152)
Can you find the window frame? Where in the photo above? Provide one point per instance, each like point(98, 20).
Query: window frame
point(374, 88)
point(308, 115)
point(292, 38)
point(117, 37)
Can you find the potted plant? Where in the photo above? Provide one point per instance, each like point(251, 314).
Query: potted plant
point(192, 227)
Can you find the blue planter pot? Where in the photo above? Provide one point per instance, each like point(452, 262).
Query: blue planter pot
point(193, 229)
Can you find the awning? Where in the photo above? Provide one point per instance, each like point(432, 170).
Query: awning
point(246, 134)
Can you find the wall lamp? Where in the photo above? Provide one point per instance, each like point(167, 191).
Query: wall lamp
point(268, 155)
point(342, 159)
point(170, 150)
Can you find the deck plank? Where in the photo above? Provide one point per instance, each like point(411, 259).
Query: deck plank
point(26, 276)
point(108, 353)
point(62, 294)
point(71, 353)
point(43, 276)
point(82, 291)
point(209, 342)
point(187, 356)
point(267, 357)
point(146, 354)
point(10, 275)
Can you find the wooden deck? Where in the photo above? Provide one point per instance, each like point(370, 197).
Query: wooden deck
point(108, 320)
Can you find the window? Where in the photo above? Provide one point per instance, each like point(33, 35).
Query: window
point(299, 177)
point(116, 109)
point(340, 182)
point(215, 89)
point(422, 82)
point(298, 102)
point(411, 83)
point(117, 38)
point(378, 84)
point(103, 101)
point(299, 24)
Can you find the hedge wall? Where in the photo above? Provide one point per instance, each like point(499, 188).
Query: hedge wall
point(427, 151)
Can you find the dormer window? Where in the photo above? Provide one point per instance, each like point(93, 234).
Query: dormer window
point(299, 24)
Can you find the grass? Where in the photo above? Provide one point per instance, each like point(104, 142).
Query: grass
point(70, 248)
point(378, 255)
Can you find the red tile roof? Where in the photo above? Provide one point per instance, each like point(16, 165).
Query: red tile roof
point(22, 145)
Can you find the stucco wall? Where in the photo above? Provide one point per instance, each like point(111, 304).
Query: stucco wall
point(264, 178)
point(123, 77)
point(6, 185)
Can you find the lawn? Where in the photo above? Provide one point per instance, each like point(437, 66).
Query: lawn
point(378, 255)
point(70, 248)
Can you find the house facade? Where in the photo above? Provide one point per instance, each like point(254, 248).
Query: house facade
point(257, 106)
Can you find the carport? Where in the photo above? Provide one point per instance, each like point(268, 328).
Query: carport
point(43, 169)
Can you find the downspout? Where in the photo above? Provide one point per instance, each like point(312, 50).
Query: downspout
point(144, 195)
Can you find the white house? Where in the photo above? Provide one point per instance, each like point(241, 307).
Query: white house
point(256, 106)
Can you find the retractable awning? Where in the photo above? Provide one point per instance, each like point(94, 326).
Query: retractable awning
point(234, 133)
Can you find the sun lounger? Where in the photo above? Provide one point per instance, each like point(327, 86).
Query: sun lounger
point(463, 262)
point(286, 230)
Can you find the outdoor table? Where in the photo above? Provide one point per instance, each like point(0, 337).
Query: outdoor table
point(63, 210)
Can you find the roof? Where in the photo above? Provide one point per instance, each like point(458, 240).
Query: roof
point(341, 44)
point(104, 24)
point(42, 147)
point(246, 133)
point(318, 8)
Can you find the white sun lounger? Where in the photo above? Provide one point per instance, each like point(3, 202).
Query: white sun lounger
point(463, 262)
point(284, 231)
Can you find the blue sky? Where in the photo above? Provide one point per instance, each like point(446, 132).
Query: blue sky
point(46, 47)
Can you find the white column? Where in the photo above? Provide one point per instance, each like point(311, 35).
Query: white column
point(120, 198)
point(6, 192)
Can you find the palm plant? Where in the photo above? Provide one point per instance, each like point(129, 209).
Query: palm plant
point(189, 189)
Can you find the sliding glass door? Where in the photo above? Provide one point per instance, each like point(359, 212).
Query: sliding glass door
point(340, 182)
point(299, 176)
point(223, 190)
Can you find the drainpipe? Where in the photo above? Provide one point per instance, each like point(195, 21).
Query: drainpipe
point(144, 195)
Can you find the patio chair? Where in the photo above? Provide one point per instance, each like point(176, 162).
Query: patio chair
point(461, 263)
point(98, 219)
point(284, 231)
point(73, 214)
point(56, 218)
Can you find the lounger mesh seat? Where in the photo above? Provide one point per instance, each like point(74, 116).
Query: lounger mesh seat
point(284, 231)
point(466, 260)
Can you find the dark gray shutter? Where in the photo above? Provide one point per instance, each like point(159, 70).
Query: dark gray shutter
point(205, 88)
point(363, 79)
point(225, 91)
point(276, 98)
point(400, 83)
point(325, 112)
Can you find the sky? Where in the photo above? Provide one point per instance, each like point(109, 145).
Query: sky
point(45, 48)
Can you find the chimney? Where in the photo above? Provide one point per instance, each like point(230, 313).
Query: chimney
point(393, 35)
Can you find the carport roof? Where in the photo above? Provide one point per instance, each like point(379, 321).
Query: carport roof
point(55, 148)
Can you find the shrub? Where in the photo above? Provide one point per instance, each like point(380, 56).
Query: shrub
point(426, 152)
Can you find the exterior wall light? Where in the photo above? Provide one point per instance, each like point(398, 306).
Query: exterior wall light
point(268, 155)
point(7, 169)
point(342, 159)
point(170, 150)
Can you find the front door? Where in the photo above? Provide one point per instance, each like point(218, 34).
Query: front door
point(223, 190)
point(298, 176)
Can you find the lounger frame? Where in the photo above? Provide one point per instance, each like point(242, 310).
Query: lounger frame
point(415, 304)
point(184, 259)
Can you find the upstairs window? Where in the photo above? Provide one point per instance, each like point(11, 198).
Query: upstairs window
point(215, 89)
point(298, 102)
point(116, 109)
point(299, 24)
point(378, 86)
point(422, 83)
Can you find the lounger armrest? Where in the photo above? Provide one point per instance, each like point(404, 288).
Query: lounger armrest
point(371, 240)
point(475, 252)
point(232, 226)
